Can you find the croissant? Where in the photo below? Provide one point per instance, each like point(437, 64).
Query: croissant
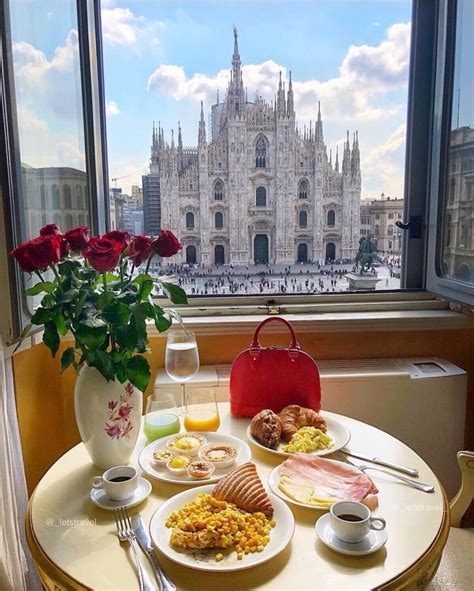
point(293, 417)
point(266, 428)
point(244, 488)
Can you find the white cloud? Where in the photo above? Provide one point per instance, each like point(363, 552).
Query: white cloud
point(366, 73)
point(41, 146)
point(128, 170)
point(53, 83)
point(120, 26)
point(383, 166)
point(111, 108)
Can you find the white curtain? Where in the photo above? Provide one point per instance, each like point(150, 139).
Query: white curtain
point(17, 572)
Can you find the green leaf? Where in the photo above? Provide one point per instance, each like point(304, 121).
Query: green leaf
point(117, 313)
point(146, 287)
point(48, 301)
point(41, 316)
point(112, 277)
point(139, 279)
point(133, 336)
point(105, 299)
point(51, 337)
point(104, 363)
point(138, 372)
point(127, 297)
point(175, 293)
point(67, 358)
point(60, 323)
point(47, 286)
point(120, 372)
point(162, 323)
point(80, 303)
point(65, 297)
point(92, 337)
point(94, 322)
point(66, 267)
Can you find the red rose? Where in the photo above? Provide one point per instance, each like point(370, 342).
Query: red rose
point(78, 238)
point(103, 254)
point(53, 230)
point(119, 236)
point(23, 257)
point(140, 249)
point(50, 230)
point(44, 251)
point(166, 245)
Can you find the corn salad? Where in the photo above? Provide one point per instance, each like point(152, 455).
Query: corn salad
point(209, 523)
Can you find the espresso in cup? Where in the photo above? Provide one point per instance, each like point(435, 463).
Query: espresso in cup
point(119, 483)
point(351, 521)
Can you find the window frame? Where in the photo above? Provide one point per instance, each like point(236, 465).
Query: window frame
point(418, 201)
point(439, 188)
point(11, 187)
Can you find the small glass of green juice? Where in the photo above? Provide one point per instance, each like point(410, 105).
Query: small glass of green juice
point(161, 418)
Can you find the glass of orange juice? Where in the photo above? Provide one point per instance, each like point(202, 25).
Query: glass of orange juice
point(201, 413)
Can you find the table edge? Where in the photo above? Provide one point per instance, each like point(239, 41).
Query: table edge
point(420, 572)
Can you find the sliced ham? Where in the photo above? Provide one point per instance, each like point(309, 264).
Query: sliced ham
point(330, 479)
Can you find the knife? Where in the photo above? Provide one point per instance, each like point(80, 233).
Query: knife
point(403, 469)
point(145, 544)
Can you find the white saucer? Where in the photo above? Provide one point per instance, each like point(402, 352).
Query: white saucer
point(372, 542)
point(99, 498)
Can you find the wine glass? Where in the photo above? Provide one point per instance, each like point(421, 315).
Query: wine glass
point(202, 413)
point(181, 358)
point(161, 416)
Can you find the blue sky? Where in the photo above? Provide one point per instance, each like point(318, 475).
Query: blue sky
point(163, 57)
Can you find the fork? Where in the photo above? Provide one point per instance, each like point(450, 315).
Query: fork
point(428, 488)
point(125, 534)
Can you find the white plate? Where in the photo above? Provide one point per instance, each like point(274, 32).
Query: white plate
point(340, 435)
point(274, 479)
point(372, 542)
point(151, 468)
point(280, 536)
point(99, 497)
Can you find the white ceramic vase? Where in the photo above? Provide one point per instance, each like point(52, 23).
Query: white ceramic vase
point(108, 416)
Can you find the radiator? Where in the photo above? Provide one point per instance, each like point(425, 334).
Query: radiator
point(422, 402)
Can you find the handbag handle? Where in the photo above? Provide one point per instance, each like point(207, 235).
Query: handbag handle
point(255, 344)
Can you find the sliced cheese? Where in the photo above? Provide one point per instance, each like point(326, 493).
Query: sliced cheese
point(303, 492)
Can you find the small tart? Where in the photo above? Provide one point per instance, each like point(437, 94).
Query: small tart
point(187, 444)
point(163, 456)
point(178, 464)
point(200, 469)
point(221, 455)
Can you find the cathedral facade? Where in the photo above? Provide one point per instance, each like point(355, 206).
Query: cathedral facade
point(257, 189)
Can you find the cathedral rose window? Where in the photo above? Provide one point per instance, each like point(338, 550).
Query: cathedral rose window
point(260, 153)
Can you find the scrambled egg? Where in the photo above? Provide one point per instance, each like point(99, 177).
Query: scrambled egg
point(308, 439)
point(209, 523)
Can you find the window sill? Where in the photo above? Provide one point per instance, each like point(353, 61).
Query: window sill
point(416, 312)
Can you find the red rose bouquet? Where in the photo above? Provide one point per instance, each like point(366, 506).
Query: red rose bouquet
point(97, 295)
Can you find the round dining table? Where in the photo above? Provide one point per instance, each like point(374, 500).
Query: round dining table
point(75, 546)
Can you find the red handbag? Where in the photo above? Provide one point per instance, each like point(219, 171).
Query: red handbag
point(273, 377)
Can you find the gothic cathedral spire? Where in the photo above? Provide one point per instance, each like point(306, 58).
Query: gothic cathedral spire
point(202, 128)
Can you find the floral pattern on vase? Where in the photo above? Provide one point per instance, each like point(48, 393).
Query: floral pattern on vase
point(119, 423)
point(108, 416)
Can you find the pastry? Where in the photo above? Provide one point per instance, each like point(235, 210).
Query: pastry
point(222, 456)
point(200, 469)
point(187, 444)
point(293, 417)
point(244, 488)
point(266, 428)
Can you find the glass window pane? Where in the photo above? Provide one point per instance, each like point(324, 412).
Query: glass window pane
point(47, 80)
point(288, 152)
point(457, 253)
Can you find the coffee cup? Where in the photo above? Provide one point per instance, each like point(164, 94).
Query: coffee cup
point(351, 521)
point(119, 483)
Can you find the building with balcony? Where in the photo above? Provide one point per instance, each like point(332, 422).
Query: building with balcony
point(377, 219)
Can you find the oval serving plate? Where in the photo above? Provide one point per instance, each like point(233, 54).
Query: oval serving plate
point(274, 479)
point(339, 433)
point(280, 536)
point(150, 467)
